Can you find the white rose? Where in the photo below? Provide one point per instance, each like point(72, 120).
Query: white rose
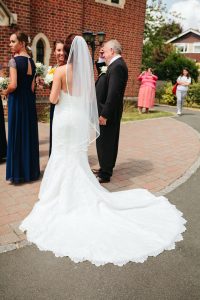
point(48, 79)
point(104, 69)
point(49, 69)
point(38, 64)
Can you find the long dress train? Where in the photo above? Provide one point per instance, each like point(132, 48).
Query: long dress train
point(76, 217)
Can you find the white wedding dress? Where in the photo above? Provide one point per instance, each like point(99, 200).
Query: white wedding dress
point(76, 217)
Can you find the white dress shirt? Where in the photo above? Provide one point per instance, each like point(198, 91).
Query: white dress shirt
point(114, 58)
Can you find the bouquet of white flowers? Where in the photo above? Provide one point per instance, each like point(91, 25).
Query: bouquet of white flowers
point(4, 81)
point(48, 79)
point(40, 69)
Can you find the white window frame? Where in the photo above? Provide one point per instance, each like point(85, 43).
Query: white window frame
point(196, 44)
point(184, 45)
point(108, 2)
point(47, 48)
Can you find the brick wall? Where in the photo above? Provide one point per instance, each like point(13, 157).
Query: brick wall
point(126, 25)
point(22, 8)
point(194, 56)
point(56, 19)
point(188, 38)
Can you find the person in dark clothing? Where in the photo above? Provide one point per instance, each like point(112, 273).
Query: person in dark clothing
point(3, 143)
point(60, 60)
point(100, 62)
point(22, 164)
point(110, 89)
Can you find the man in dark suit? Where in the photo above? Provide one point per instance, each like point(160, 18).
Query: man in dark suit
point(110, 88)
point(100, 62)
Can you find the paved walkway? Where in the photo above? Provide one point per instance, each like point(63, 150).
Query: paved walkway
point(152, 154)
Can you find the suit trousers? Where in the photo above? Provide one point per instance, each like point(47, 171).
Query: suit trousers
point(107, 148)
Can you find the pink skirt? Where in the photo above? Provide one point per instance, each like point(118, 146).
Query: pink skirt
point(146, 96)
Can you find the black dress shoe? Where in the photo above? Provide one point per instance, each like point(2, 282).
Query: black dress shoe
point(103, 180)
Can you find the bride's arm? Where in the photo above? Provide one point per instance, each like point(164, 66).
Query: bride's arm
point(56, 87)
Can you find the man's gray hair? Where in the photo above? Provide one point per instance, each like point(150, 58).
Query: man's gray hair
point(115, 45)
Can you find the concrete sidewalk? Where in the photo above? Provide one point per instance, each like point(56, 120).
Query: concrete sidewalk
point(153, 154)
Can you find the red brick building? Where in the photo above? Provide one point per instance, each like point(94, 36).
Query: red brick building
point(47, 20)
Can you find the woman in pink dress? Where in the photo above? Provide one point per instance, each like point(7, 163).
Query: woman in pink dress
point(147, 90)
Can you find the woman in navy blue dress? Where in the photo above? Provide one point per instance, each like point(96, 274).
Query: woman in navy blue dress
point(3, 144)
point(23, 143)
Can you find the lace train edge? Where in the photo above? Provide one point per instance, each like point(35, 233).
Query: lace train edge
point(119, 263)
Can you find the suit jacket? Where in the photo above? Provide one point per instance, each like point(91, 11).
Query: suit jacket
point(110, 88)
point(99, 65)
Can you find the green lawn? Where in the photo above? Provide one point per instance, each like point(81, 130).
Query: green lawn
point(131, 114)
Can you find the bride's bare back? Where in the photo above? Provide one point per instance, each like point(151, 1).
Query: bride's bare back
point(62, 81)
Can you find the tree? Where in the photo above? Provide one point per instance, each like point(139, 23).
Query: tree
point(159, 27)
point(169, 30)
point(160, 53)
point(173, 65)
point(154, 19)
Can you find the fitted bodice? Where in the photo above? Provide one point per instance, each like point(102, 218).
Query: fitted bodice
point(70, 124)
point(24, 80)
point(65, 100)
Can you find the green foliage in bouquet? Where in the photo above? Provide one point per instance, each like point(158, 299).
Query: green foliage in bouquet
point(40, 69)
point(4, 81)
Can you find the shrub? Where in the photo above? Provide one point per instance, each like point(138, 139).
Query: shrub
point(193, 95)
point(168, 97)
point(173, 65)
point(160, 91)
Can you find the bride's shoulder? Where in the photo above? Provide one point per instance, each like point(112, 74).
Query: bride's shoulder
point(60, 70)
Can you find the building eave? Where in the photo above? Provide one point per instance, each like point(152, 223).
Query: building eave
point(182, 34)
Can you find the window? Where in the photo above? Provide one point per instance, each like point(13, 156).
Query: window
point(115, 3)
point(196, 48)
point(40, 51)
point(182, 48)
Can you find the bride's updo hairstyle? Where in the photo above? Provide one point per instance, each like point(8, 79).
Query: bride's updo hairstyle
point(67, 44)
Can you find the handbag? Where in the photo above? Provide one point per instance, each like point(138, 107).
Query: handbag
point(174, 88)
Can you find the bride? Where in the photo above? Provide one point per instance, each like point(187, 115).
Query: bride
point(75, 216)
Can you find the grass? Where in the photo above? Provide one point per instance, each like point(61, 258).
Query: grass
point(131, 114)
